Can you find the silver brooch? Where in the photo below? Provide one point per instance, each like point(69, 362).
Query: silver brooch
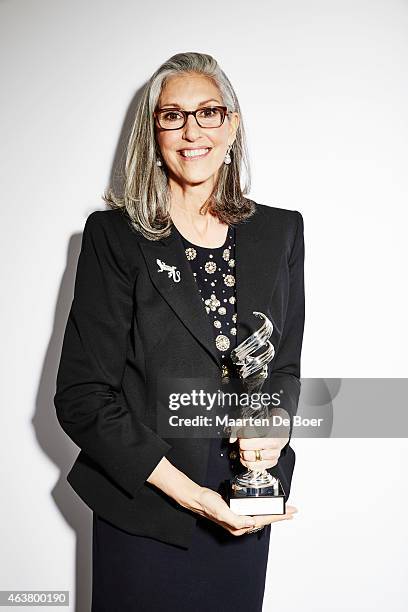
point(171, 270)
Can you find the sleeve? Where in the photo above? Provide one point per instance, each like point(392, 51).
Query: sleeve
point(88, 387)
point(285, 375)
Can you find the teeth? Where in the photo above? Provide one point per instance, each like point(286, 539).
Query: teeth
point(194, 152)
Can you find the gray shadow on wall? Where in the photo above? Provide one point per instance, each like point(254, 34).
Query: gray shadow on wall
point(52, 439)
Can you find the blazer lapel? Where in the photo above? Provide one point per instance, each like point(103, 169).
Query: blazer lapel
point(255, 276)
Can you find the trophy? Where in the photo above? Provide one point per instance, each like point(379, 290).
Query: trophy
point(255, 492)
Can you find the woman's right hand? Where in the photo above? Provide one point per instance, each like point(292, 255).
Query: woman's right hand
point(206, 502)
point(212, 506)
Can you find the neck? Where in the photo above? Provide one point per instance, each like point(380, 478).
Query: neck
point(187, 199)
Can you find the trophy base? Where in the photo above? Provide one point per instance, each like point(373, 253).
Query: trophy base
point(250, 499)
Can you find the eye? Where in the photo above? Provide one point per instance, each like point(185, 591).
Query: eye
point(208, 112)
point(171, 115)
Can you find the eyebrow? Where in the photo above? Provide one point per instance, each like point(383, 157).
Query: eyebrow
point(175, 105)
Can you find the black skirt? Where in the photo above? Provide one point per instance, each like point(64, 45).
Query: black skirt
point(219, 571)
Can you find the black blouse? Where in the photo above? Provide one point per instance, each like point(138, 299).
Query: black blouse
point(214, 273)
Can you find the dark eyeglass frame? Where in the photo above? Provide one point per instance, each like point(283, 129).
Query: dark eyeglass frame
point(224, 110)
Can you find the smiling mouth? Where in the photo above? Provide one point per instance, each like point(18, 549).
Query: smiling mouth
point(191, 154)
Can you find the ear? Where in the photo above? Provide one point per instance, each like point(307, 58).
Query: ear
point(233, 126)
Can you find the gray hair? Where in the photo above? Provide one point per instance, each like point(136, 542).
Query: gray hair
point(146, 195)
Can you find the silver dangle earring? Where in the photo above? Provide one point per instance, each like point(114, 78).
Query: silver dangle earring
point(227, 158)
point(159, 162)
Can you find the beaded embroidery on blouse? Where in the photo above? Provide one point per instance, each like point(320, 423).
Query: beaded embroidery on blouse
point(214, 273)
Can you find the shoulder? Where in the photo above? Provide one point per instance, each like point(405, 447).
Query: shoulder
point(282, 222)
point(111, 221)
point(110, 233)
point(111, 227)
point(282, 216)
point(115, 223)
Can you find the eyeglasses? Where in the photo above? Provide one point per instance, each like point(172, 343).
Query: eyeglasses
point(206, 117)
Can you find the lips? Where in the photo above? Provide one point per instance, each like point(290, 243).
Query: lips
point(197, 153)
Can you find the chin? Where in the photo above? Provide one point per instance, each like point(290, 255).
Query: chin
point(200, 176)
point(196, 180)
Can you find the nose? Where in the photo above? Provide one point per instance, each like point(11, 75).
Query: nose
point(191, 129)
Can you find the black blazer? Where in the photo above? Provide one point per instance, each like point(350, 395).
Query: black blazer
point(128, 324)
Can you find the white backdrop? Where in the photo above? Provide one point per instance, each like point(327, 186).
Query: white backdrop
point(323, 90)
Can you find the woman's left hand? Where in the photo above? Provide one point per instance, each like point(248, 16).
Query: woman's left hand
point(270, 449)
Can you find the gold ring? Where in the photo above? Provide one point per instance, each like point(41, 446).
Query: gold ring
point(258, 455)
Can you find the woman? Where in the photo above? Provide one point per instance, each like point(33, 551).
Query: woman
point(166, 285)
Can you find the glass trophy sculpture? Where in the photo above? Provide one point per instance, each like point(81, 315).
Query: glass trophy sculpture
point(255, 492)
